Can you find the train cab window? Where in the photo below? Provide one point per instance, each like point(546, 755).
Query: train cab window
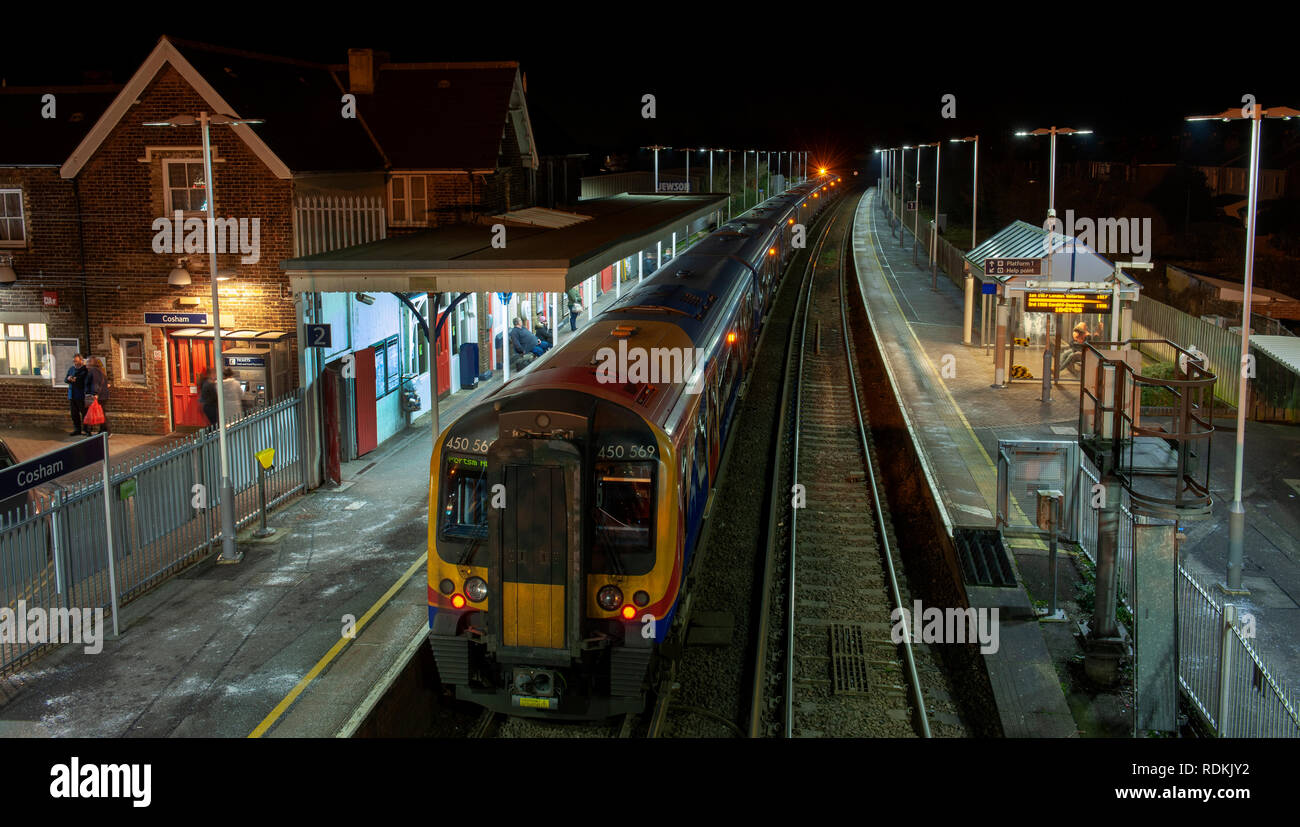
point(624, 518)
point(464, 491)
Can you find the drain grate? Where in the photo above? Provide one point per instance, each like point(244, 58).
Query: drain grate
point(849, 658)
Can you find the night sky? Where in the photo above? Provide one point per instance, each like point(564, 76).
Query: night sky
point(837, 87)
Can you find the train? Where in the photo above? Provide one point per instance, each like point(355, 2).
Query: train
point(566, 507)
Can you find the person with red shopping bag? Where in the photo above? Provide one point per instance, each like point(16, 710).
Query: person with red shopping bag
point(96, 395)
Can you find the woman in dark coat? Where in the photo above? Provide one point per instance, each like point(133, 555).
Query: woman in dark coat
point(208, 395)
point(97, 389)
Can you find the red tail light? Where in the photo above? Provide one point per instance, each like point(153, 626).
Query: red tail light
point(629, 612)
point(458, 601)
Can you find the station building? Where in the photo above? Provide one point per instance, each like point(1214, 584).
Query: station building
point(102, 218)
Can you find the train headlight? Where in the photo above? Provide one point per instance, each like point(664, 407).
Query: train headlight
point(446, 586)
point(476, 589)
point(641, 598)
point(609, 598)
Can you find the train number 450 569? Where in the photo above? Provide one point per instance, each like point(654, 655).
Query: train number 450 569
point(629, 451)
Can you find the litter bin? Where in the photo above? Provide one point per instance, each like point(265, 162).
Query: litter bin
point(469, 364)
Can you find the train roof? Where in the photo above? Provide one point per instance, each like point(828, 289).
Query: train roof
point(679, 306)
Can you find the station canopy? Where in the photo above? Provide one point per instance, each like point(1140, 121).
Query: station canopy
point(545, 251)
point(1071, 260)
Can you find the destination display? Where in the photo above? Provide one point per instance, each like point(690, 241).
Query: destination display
point(1041, 301)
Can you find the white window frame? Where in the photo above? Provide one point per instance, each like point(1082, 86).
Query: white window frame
point(167, 184)
point(407, 201)
point(22, 217)
point(135, 378)
point(33, 362)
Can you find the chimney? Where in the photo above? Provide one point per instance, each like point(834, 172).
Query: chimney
point(361, 71)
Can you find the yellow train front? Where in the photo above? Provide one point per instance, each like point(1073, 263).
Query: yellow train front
point(566, 507)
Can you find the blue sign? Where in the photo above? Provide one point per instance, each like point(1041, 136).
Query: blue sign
point(988, 288)
point(505, 298)
point(199, 319)
point(244, 361)
point(318, 335)
point(25, 476)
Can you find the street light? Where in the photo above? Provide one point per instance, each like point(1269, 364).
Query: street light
point(656, 148)
point(968, 307)
point(1051, 190)
point(1237, 511)
point(228, 552)
point(975, 185)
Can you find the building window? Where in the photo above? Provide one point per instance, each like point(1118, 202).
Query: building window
point(24, 349)
point(13, 233)
point(408, 201)
point(131, 354)
point(186, 189)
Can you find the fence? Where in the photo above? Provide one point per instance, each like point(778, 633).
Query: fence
point(323, 223)
point(952, 260)
point(1154, 320)
point(1218, 669)
point(53, 550)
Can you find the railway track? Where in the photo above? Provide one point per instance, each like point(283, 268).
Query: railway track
point(826, 664)
point(499, 725)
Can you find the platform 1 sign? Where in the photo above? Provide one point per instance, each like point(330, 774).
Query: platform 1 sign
point(1013, 266)
point(1043, 301)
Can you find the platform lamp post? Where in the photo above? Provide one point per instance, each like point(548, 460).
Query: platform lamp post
point(729, 193)
point(229, 554)
point(656, 148)
point(1237, 511)
point(902, 182)
point(975, 184)
point(968, 310)
point(1053, 131)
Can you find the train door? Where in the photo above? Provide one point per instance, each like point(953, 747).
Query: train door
point(186, 361)
point(330, 423)
point(535, 546)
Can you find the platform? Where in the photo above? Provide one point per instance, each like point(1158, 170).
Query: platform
point(959, 418)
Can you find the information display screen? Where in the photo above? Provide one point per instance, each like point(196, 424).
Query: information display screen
point(1037, 301)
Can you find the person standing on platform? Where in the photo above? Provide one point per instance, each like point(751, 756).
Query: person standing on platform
point(574, 304)
point(208, 395)
point(76, 382)
point(97, 389)
point(232, 396)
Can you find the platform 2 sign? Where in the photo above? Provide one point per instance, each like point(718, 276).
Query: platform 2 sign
point(318, 335)
point(1041, 301)
point(18, 479)
point(1013, 266)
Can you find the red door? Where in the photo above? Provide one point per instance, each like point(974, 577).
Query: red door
point(364, 403)
point(607, 279)
point(187, 359)
point(444, 358)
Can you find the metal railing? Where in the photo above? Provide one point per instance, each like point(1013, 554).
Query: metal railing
point(166, 516)
point(1218, 668)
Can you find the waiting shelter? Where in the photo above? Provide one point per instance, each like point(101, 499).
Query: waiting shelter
point(1042, 293)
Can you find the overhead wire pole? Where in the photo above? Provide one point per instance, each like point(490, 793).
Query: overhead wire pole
point(1237, 510)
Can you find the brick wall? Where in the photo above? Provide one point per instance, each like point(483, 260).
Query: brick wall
point(50, 261)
